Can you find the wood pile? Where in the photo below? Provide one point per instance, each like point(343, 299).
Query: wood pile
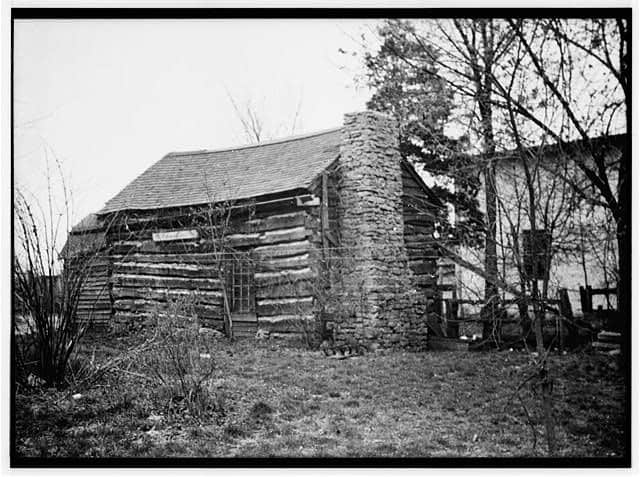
point(608, 342)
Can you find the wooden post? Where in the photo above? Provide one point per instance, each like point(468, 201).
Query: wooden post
point(566, 312)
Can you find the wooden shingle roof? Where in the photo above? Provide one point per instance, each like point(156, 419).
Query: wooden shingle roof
point(200, 177)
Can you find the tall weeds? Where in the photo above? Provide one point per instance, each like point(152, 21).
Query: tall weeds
point(46, 331)
point(182, 362)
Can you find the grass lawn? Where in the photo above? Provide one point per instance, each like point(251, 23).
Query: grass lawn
point(269, 399)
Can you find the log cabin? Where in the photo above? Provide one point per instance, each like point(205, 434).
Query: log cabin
point(329, 233)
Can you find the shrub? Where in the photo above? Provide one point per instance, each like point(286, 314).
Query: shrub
point(182, 363)
point(47, 331)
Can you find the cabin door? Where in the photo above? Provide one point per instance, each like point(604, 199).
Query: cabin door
point(241, 295)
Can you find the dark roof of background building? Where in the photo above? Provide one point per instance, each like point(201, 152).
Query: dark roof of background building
point(87, 224)
point(569, 148)
point(83, 243)
point(200, 177)
point(87, 236)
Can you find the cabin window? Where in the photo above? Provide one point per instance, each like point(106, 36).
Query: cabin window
point(240, 284)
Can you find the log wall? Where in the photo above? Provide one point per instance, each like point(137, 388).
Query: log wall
point(94, 301)
point(279, 240)
point(420, 216)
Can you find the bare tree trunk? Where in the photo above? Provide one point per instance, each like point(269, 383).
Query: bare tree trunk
point(491, 257)
point(545, 379)
point(484, 81)
point(491, 295)
point(623, 223)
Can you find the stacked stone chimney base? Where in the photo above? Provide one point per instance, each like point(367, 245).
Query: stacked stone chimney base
point(381, 305)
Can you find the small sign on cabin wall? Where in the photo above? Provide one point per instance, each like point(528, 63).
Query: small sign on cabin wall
point(175, 235)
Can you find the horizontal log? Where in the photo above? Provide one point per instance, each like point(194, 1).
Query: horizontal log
point(418, 218)
point(286, 249)
point(138, 305)
point(419, 242)
point(287, 290)
point(149, 306)
point(421, 249)
point(165, 282)
point(151, 247)
point(426, 279)
point(268, 238)
point(284, 263)
point(94, 304)
point(86, 274)
point(121, 315)
point(95, 286)
point(87, 307)
point(93, 279)
point(123, 249)
point(94, 321)
point(168, 270)
point(95, 311)
point(94, 296)
point(422, 267)
point(418, 239)
point(174, 218)
point(177, 258)
point(244, 325)
point(280, 278)
point(422, 228)
point(129, 243)
point(274, 222)
point(84, 297)
point(89, 313)
point(193, 296)
point(244, 317)
point(135, 303)
point(287, 323)
point(290, 306)
point(177, 247)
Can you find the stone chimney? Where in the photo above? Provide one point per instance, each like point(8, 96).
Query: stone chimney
point(376, 279)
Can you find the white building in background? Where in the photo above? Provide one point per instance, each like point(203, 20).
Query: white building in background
point(583, 234)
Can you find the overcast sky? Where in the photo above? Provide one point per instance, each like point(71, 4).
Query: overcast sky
point(109, 98)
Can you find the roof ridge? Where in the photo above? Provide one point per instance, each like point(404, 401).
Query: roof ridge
point(260, 144)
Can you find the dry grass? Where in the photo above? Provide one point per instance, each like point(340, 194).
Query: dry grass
point(274, 400)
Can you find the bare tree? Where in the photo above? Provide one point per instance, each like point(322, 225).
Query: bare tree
point(255, 124)
point(593, 101)
point(48, 331)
